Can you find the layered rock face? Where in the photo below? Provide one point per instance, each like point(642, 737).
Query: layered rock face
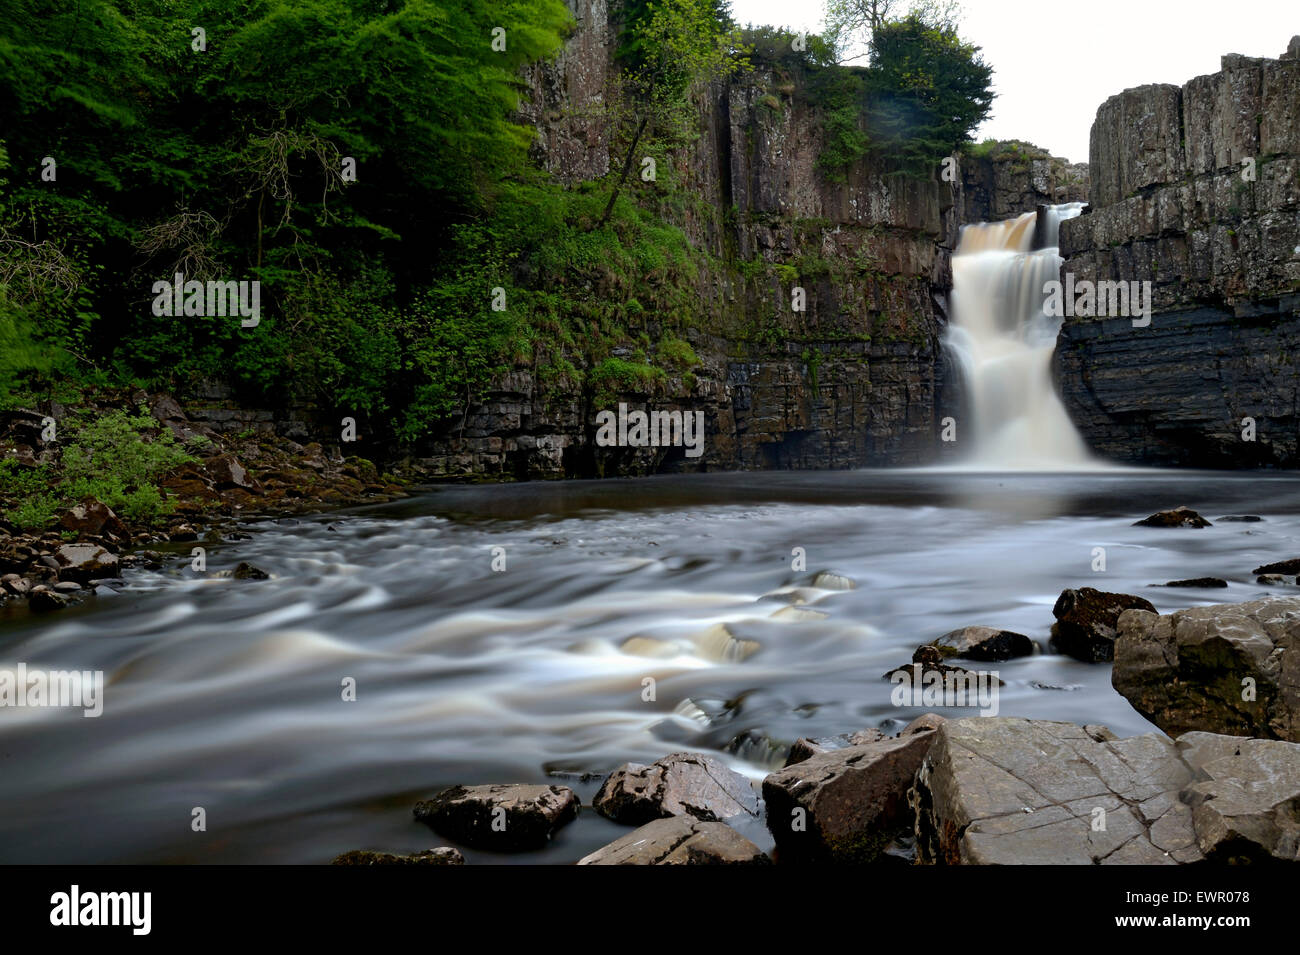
point(1014, 178)
point(857, 378)
point(1196, 190)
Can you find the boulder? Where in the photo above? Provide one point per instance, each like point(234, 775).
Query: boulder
point(683, 784)
point(1016, 791)
point(1006, 791)
point(679, 840)
point(15, 584)
point(91, 518)
point(226, 472)
point(1086, 621)
point(1244, 798)
point(44, 601)
point(1270, 580)
point(166, 408)
point(1228, 668)
point(1178, 517)
point(845, 805)
point(807, 747)
point(502, 818)
point(442, 856)
point(85, 562)
point(987, 644)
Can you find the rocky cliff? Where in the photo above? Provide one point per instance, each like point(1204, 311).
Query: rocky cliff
point(1197, 190)
point(856, 378)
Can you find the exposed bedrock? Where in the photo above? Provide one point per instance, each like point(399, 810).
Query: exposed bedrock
point(858, 378)
point(1007, 791)
point(1195, 189)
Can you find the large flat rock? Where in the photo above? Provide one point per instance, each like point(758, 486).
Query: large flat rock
point(1011, 791)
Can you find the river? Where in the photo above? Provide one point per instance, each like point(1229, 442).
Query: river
point(227, 695)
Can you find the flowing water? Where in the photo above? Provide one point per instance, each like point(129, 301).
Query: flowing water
point(1003, 341)
point(226, 694)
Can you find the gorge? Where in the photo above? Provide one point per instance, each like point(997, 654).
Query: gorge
point(645, 594)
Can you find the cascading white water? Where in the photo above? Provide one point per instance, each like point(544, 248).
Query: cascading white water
point(1003, 340)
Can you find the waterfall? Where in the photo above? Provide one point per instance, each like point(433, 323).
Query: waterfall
point(1003, 342)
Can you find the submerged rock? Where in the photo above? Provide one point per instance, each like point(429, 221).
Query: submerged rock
point(1270, 580)
point(679, 840)
point(1086, 621)
point(845, 805)
point(443, 856)
point(827, 580)
point(503, 818)
point(246, 571)
point(1199, 582)
point(1289, 567)
point(1178, 517)
point(1228, 668)
point(987, 644)
point(683, 784)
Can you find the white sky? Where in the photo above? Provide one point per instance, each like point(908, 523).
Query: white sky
point(1055, 64)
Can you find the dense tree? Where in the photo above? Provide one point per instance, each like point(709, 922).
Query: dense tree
point(929, 91)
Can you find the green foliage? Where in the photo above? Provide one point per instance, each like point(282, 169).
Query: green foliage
point(615, 376)
point(776, 46)
point(228, 164)
point(20, 353)
point(115, 457)
point(677, 354)
point(929, 91)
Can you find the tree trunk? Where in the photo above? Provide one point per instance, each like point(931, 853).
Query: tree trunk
point(627, 168)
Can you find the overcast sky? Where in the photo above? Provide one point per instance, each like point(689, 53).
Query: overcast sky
point(1054, 63)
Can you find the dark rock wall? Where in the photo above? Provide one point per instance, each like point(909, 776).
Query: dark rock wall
point(1172, 203)
point(858, 379)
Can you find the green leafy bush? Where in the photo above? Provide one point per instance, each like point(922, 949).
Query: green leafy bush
point(115, 457)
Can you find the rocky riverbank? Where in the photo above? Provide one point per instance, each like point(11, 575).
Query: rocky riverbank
point(1222, 681)
point(229, 478)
